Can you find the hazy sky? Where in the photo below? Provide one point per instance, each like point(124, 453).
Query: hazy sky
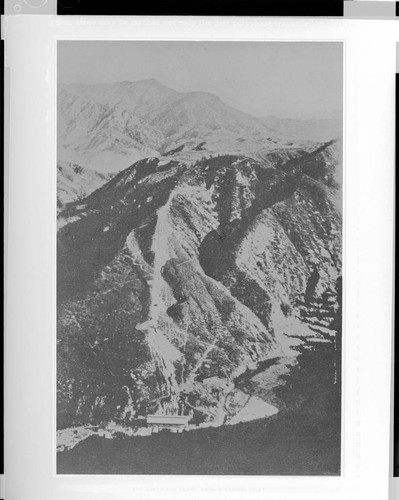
point(289, 79)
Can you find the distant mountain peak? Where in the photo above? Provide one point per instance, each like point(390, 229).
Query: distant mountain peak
point(128, 120)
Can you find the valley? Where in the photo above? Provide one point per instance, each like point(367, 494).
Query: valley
point(199, 265)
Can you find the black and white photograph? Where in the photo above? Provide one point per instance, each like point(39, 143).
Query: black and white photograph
point(199, 257)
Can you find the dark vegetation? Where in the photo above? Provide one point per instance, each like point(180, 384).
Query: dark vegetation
point(303, 439)
point(101, 355)
point(83, 246)
point(173, 151)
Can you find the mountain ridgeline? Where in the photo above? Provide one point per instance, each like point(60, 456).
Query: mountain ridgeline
point(105, 128)
point(178, 278)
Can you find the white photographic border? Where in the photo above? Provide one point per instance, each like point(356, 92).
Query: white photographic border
point(369, 161)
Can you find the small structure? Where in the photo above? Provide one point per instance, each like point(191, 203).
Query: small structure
point(173, 423)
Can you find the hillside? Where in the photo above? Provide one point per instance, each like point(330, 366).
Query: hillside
point(178, 280)
point(107, 127)
point(75, 182)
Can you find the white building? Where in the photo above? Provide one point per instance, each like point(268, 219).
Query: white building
point(173, 423)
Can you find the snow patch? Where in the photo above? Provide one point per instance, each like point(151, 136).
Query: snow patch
point(254, 409)
point(163, 352)
point(69, 438)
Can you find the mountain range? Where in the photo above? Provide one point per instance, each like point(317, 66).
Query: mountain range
point(105, 128)
point(198, 249)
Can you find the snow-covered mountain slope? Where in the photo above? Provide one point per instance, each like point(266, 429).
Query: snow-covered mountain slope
point(196, 114)
point(174, 113)
point(106, 138)
point(177, 281)
point(108, 127)
point(143, 98)
point(146, 118)
point(75, 182)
